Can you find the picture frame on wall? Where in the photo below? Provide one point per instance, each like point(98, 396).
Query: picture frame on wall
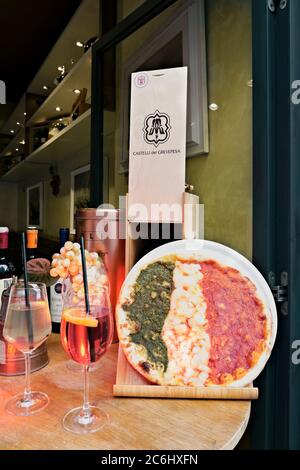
point(179, 42)
point(35, 200)
point(79, 192)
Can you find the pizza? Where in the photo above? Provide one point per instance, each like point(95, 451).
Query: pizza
point(186, 320)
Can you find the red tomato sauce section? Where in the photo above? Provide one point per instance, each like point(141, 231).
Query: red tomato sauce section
point(236, 321)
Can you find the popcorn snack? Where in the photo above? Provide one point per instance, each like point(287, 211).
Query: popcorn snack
point(67, 264)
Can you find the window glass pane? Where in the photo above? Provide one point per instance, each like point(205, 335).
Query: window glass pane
point(125, 7)
point(219, 162)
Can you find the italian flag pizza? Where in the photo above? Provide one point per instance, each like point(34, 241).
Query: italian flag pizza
point(195, 322)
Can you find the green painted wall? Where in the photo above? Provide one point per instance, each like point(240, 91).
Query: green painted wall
point(223, 179)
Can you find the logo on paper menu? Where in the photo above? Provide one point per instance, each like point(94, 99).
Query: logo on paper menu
point(157, 128)
point(141, 80)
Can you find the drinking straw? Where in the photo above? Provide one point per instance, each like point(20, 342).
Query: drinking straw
point(85, 280)
point(25, 269)
point(28, 313)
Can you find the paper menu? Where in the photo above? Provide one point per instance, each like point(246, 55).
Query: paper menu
point(157, 149)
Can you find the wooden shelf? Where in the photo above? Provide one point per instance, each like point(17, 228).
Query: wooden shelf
point(14, 143)
point(61, 147)
point(63, 95)
point(16, 116)
point(83, 25)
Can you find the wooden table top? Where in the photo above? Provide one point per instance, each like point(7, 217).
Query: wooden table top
point(135, 423)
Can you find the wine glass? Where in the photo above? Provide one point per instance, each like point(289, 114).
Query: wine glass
point(27, 325)
point(68, 295)
point(75, 367)
point(86, 338)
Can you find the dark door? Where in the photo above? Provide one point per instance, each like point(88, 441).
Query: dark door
point(276, 212)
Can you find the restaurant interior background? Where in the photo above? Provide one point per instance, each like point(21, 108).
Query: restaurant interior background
point(225, 172)
point(55, 159)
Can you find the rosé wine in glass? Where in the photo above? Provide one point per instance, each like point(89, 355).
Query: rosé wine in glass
point(86, 338)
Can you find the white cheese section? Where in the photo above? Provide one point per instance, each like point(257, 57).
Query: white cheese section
point(184, 332)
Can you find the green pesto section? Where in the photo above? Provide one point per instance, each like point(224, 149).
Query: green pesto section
point(149, 308)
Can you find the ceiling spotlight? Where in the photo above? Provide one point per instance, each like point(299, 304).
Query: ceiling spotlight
point(77, 91)
point(61, 68)
point(22, 142)
point(12, 131)
point(25, 114)
point(79, 44)
point(58, 108)
point(18, 123)
point(45, 87)
point(17, 150)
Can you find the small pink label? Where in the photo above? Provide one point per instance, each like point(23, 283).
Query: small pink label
point(141, 80)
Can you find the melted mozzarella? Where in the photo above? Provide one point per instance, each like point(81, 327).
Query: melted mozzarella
point(184, 332)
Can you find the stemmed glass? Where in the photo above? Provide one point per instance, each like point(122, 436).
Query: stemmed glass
point(27, 325)
point(75, 367)
point(67, 297)
point(86, 337)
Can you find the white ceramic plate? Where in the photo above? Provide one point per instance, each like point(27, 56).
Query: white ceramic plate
point(204, 249)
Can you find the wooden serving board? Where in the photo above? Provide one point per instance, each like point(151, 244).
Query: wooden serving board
point(129, 383)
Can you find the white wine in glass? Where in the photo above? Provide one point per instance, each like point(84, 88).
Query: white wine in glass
point(27, 325)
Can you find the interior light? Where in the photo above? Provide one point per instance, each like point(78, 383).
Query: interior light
point(45, 87)
point(58, 108)
point(213, 107)
point(79, 44)
point(12, 131)
point(77, 91)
